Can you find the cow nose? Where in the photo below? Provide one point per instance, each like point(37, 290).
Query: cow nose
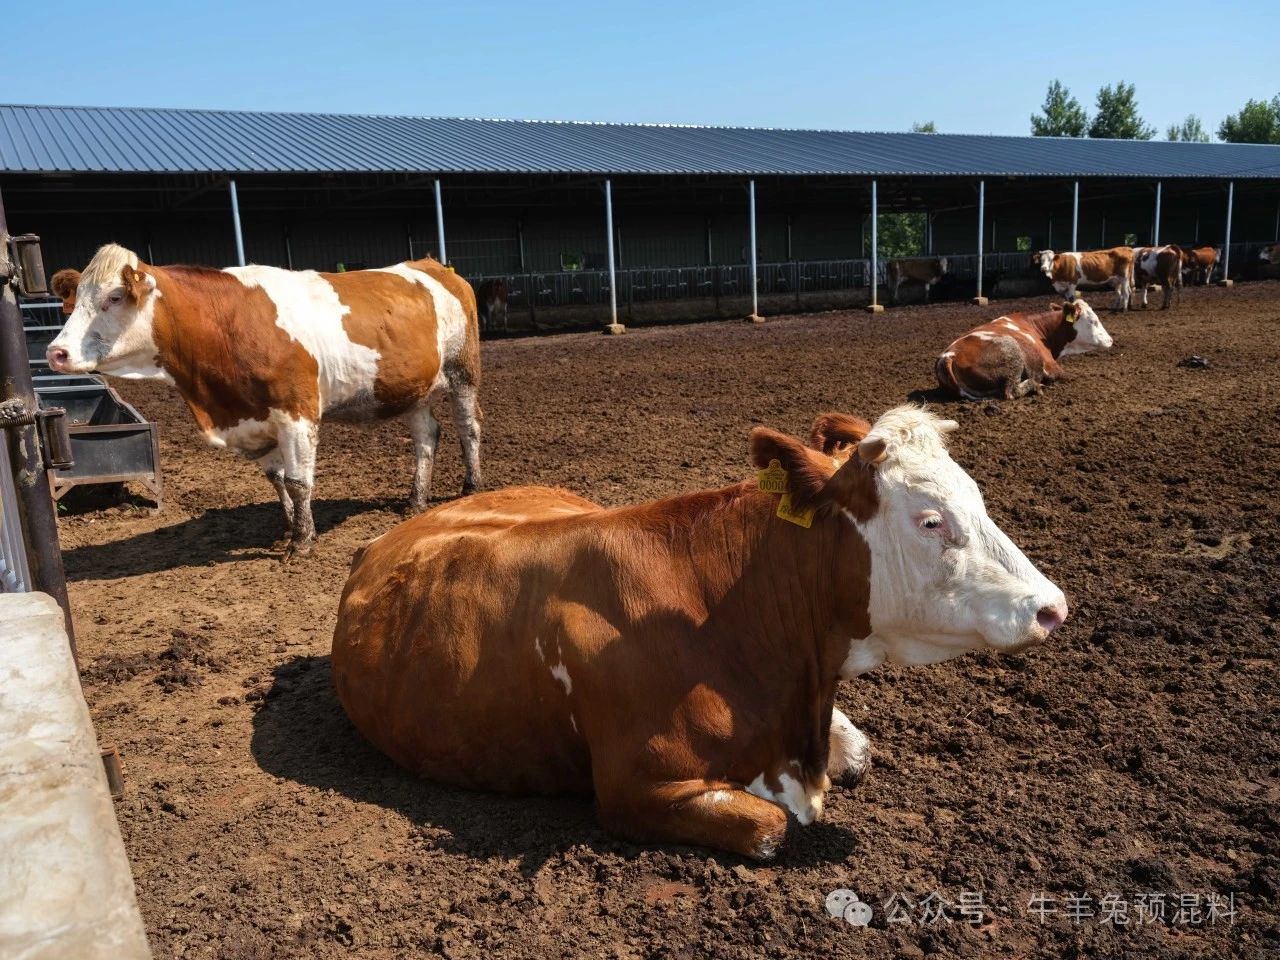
point(1051, 617)
point(57, 356)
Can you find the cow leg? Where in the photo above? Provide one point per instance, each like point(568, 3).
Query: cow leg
point(273, 466)
point(466, 417)
point(697, 812)
point(849, 752)
point(298, 453)
point(426, 436)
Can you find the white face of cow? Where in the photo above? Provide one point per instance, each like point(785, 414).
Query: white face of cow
point(1045, 259)
point(1090, 334)
point(110, 329)
point(944, 578)
point(1270, 254)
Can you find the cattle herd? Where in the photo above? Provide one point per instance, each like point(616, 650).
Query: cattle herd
point(678, 659)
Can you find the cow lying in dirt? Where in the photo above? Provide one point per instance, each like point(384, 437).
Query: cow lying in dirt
point(260, 355)
point(1015, 355)
point(680, 658)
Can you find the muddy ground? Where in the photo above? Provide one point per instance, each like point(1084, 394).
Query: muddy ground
point(1138, 753)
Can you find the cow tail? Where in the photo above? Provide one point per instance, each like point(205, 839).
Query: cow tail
point(944, 371)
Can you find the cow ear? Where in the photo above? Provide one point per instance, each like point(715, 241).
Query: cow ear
point(837, 433)
point(806, 475)
point(138, 284)
point(64, 284)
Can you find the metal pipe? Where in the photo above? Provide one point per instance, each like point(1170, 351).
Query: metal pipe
point(1277, 236)
point(1226, 246)
point(710, 261)
point(982, 212)
point(1155, 232)
point(235, 220)
point(613, 274)
point(755, 293)
point(875, 241)
point(1075, 218)
point(789, 256)
point(444, 257)
point(22, 445)
point(520, 241)
point(928, 233)
point(288, 250)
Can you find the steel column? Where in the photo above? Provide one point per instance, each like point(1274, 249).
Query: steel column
point(1075, 218)
point(235, 220)
point(982, 212)
point(755, 290)
point(1155, 232)
point(444, 257)
point(21, 445)
point(875, 241)
point(613, 273)
point(1226, 246)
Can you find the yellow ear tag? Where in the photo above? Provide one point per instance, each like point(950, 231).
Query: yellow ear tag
point(801, 518)
point(772, 479)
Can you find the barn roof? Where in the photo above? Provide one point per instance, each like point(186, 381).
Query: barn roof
point(47, 139)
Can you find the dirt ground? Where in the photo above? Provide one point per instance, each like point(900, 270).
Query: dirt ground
point(1137, 753)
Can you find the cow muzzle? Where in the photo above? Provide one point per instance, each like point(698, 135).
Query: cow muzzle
point(59, 359)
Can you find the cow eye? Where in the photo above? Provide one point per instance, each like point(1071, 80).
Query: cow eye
point(116, 297)
point(931, 522)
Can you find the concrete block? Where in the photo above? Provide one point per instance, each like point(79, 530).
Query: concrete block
point(1226, 283)
point(875, 308)
point(65, 885)
point(980, 301)
point(616, 329)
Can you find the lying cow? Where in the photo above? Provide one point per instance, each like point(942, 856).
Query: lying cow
point(679, 658)
point(260, 355)
point(1067, 271)
point(1016, 355)
point(1270, 253)
point(1158, 265)
point(926, 272)
point(1200, 262)
point(491, 301)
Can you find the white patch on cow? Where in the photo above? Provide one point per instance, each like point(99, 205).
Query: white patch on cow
point(561, 673)
point(984, 335)
point(948, 353)
point(537, 643)
point(954, 585)
point(451, 317)
point(803, 802)
point(718, 797)
point(850, 750)
point(573, 721)
point(308, 309)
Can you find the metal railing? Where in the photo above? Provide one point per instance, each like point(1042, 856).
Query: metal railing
point(15, 577)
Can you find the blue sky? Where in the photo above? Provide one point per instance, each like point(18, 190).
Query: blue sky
point(979, 67)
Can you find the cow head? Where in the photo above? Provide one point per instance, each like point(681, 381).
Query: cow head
point(1270, 254)
point(1042, 260)
point(109, 329)
point(944, 578)
point(1090, 334)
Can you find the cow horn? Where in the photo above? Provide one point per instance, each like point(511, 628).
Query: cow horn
point(946, 426)
point(873, 450)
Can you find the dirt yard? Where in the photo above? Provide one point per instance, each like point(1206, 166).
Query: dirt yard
point(1137, 753)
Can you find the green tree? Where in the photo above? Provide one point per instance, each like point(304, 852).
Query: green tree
point(898, 235)
point(927, 127)
point(1257, 122)
point(1117, 117)
point(1189, 131)
point(1060, 116)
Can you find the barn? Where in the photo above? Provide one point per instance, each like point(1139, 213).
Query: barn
point(683, 215)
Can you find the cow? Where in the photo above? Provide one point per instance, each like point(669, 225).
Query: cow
point(1067, 271)
point(927, 271)
point(680, 658)
point(1162, 265)
point(1017, 354)
point(1200, 262)
point(63, 284)
point(1270, 253)
point(261, 355)
point(491, 301)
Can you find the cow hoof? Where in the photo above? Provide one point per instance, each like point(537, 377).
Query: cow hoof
point(415, 507)
point(850, 752)
point(298, 549)
point(468, 489)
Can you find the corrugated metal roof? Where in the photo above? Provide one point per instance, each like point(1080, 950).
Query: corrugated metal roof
point(148, 140)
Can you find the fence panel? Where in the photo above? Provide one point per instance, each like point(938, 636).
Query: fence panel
point(15, 577)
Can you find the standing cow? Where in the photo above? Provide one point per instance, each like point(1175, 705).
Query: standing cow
point(261, 355)
point(680, 658)
point(924, 271)
point(1067, 271)
point(1158, 265)
point(491, 301)
point(1201, 262)
point(1015, 355)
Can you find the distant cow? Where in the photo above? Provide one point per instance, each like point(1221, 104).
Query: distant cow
point(491, 301)
point(679, 658)
point(1270, 253)
point(1067, 271)
point(1015, 355)
point(924, 271)
point(1162, 265)
point(260, 355)
point(1201, 262)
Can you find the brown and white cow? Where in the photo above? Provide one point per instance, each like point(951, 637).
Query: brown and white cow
point(1067, 271)
point(679, 658)
point(1270, 253)
point(924, 271)
point(1158, 265)
point(1015, 355)
point(1201, 262)
point(261, 355)
point(491, 300)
